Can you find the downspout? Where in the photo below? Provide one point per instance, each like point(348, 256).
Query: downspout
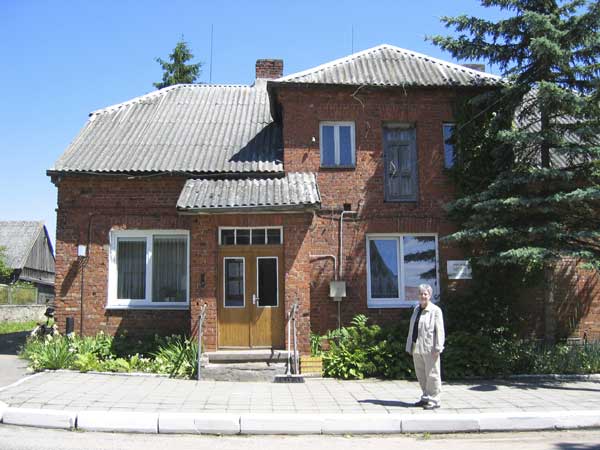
point(341, 276)
point(83, 264)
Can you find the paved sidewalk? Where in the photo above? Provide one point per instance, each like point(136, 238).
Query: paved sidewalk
point(76, 391)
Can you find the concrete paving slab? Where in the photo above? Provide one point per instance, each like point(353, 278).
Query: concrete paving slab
point(361, 423)
point(127, 422)
point(42, 418)
point(280, 424)
point(198, 423)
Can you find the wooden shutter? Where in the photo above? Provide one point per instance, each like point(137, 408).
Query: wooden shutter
point(400, 165)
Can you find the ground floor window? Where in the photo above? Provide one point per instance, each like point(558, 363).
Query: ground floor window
point(148, 268)
point(397, 265)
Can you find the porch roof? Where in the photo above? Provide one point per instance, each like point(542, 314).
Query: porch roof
point(294, 191)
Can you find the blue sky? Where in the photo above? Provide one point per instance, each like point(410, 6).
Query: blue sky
point(64, 59)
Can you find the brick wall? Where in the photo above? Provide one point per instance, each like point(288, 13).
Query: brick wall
point(88, 208)
point(363, 188)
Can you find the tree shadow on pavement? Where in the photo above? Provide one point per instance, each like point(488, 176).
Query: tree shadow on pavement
point(576, 446)
point(484, 388)
point(387, 403)
point(594, 386)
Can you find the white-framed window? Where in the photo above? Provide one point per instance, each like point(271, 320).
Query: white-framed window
point(148, 269)
point(397, 264)
point(337, 141)
point(250, 235)
point(448, 132)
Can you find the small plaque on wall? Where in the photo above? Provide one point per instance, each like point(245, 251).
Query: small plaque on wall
point(459, 270)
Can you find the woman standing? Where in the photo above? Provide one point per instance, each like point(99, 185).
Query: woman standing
point(425, 342)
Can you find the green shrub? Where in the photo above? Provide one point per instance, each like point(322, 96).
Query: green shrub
point(177, 356)
point(85, 362)
point(360, 351)
point(51, 352)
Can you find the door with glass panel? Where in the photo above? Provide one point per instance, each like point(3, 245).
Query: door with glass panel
point(251, 311)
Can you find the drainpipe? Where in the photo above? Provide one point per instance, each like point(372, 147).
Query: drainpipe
point(342, 241)
point(335, 270)
point(82, 266)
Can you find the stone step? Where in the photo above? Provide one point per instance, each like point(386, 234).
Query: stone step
point(246, 371)
point(247, 356)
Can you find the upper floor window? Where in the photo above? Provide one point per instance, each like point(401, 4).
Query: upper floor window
point(148, 268)
point(448, 130)
point(337, 144)
point(400, 162)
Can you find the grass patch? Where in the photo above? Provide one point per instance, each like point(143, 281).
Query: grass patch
point(15, 327)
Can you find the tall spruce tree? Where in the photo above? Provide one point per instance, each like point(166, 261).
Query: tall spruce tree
point(529, 150)
point(177, 71)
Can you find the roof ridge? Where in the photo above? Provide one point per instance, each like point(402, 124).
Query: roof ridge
point(353, 56)
point(159, 92)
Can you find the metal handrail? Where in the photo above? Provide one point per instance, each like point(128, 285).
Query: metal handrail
point(200, 332)
point(292, 318)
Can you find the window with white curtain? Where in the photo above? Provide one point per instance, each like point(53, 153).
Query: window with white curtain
point(397, 265)
point(149, 268)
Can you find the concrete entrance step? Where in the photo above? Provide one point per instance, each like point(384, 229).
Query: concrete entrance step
point(247, 356)
point(247, 371)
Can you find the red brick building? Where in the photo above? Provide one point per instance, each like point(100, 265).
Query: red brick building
point(251, 198)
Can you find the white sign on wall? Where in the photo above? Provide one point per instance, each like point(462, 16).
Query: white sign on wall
point(459, 270)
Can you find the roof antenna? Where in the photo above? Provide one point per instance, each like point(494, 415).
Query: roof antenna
point(352, 38)
point(211, 54)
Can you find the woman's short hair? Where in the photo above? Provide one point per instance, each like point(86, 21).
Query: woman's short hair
point(426, 287)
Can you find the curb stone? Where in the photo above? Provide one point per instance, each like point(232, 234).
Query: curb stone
point(280, 424)
point(441, 423)
point(290, 423)
point(3, 407)
point(361, 424)
point(128, 422)
point(200, 423)
point(43, 418)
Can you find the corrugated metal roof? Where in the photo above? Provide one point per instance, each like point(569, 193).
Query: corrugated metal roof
point(387, 65)
point(189, 128)
point(17, 238)
point(295, 190)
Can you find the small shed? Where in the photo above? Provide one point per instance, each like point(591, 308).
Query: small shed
point(28, 251)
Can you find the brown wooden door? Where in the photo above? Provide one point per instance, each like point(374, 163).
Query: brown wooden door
point(251, 310)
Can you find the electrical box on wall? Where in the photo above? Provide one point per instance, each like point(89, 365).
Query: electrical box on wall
point(337, 290)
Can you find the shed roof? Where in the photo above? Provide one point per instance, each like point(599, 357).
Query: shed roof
point(182, 128)
point(294, 191)
point(17, 238)
point(388, 65)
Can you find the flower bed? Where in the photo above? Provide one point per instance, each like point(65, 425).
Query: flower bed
point(173, 355)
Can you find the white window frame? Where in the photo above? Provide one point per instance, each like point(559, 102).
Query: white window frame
point(276, 258)
point(336, 143)
point(243, 258)
point(116, 303)
point(399, 302)
point(250, 228)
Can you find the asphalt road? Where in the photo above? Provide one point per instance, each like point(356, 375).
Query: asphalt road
point(23, 438)
point(11, 367)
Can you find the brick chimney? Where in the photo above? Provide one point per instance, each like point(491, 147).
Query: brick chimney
point(479, 67)
point(269, 68)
